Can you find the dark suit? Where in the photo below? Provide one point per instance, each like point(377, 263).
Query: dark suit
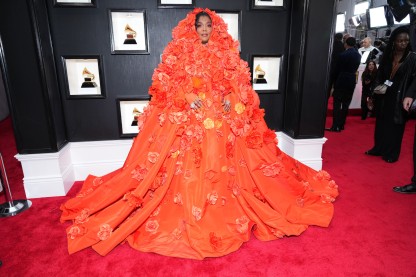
point(345, 73)
point(337, 49)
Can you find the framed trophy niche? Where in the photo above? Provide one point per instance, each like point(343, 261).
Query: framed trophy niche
point(128, 111)
point(128, 32)
point(265, 72)
point(268, 4)
point(176, 4)
point(75, 3)
point(83, 76)
point(233, 20)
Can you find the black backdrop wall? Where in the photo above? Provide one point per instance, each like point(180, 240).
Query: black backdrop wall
point(36, 34)
point(86, 31)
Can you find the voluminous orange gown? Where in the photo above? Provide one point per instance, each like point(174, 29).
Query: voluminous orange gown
point(196, 183)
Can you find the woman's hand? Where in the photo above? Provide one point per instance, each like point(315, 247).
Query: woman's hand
point(227, 105)
point(196, 104)
point(407, 102)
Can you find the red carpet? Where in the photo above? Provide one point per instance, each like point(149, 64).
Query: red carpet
point(372, 233)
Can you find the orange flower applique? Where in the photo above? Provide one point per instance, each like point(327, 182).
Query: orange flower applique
point(179, 168)
point(152, 157)
point(300, 202)
point(332, 185)
point(104, 232)
point(269, 136)
point(197, 153)
point(242, 224)
point(139, 172)
point(239, 108)
point(306, 185)
point(187, 174)
point(232, 171)
point(76, 231)
point(257, 115)
point(151, 226)
point(132, 200)
point(151, 139)
point(209, 174)
point(215, 241)
point(178, 117)
point(97, 181)
point(326, 198)
point(202, 95)
point(229, 148)
point(196, 82)
point(156, 212)
point(254, 140)
point(82, 217)
point(197, 213)
point(270, 170)
point(212, 197)
point(177, 199)
point(239, 127)
point(162, 118)
point(218, 124)
point(322, 175)
point(175, 154)
point(209, 123)
point(177, 233)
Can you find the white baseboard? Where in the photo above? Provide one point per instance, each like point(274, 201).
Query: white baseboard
point(53, 174)
point(307, 151)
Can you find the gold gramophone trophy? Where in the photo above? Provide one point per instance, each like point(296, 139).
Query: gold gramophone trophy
point(136, 114)
point(260, 73)
point(131, 35)
point(88, 79)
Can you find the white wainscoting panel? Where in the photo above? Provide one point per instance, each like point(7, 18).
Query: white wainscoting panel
point(53, 174)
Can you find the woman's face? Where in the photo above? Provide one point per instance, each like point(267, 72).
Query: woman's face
point(401, 41)
point(204, 28)
point(371, 66)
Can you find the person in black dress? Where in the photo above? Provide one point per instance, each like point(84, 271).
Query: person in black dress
point(397, 69)
point(367, 78)
point(410, 188)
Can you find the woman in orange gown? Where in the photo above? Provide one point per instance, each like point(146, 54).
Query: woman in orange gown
point(204, 171)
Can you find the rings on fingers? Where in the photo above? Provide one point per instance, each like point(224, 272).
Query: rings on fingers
point(193, 105)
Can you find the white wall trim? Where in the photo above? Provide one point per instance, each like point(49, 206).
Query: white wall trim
point(53, 174)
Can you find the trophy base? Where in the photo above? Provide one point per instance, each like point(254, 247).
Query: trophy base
point(89, 85)
point(15, 207)
point(260, 81)
point(134, 123)
point(130, 41)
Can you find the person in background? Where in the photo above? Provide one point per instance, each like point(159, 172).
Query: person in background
point(337, 49)
point(367, 51)
point(367, 78)
point(345, 36)
point(381, 46)
point(345, 74)
point(397, 70)
point(410, 188)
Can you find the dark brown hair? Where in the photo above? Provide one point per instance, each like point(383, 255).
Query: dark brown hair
point(198, 15)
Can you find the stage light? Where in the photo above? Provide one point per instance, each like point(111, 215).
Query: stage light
point(400, 8)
